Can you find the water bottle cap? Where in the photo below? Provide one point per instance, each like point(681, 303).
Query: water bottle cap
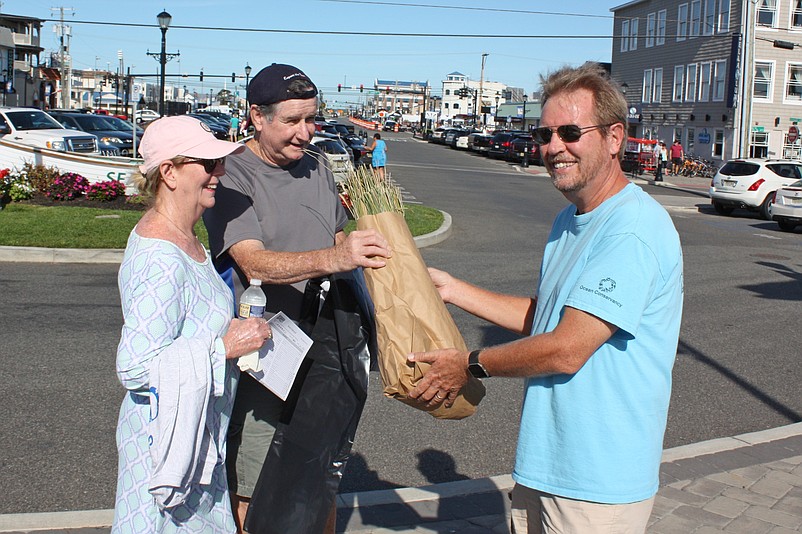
point(256, 282)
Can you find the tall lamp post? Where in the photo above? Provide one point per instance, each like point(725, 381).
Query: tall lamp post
point(525, 159)
point(247, 79)
point(495, 117)
point(164, 19)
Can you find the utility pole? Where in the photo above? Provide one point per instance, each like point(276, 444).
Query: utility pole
point(64, 56)
point(481, 95)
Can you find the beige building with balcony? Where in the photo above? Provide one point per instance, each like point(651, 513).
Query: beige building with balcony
point(19, 60)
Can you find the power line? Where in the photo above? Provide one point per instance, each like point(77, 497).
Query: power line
point(464, 8)
point(352, 33)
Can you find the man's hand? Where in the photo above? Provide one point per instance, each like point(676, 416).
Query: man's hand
point(444, 379)
point(361, 248)
point(442, 282)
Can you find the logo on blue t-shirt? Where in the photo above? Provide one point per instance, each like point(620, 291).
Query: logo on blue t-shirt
point(607, 285)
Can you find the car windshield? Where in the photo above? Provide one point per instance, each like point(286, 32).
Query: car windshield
point(93, 123)
point(123, 125)
point(739, 168)
point(330, 147)
point(32, 120)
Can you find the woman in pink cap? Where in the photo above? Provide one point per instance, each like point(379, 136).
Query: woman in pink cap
point(178, 344)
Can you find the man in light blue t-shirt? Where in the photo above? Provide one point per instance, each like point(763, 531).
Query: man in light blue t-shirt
point(603, 328)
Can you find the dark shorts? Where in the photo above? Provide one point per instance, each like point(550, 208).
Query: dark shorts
point(677, 161)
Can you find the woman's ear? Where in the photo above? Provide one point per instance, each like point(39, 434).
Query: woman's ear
point(167, 174)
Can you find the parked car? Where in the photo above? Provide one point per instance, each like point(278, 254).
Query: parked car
point(451, 135)
point(110, 140)
point(500, 144)
point(145, 116)
point(389, 126)
point(126, 126)
point(751, 183)
point(219, 131)
point(461, 141)
point(523, 144)
point(439, 134)
point(479, 142)
point(339, 161)
point(786, 206)
point(34, 127)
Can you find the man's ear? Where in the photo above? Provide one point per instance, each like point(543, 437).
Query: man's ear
point(616, 134)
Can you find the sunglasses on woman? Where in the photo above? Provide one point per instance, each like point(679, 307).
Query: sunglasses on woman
point(568, 133)
point(209, 165)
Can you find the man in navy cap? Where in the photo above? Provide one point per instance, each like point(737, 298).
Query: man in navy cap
point(278, 218)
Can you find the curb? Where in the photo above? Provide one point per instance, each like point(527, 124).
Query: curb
point(115, 255)
point(103, 518)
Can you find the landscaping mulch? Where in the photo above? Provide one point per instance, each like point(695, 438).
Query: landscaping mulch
point(82, 202)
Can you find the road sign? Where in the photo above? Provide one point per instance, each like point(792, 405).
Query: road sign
point(793, 134)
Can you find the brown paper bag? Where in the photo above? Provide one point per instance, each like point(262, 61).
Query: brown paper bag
point(411, 317)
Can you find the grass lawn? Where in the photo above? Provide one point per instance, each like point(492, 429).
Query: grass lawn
point(76, 227)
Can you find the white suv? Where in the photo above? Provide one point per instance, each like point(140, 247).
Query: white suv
point(751, 183)
point(34, 127)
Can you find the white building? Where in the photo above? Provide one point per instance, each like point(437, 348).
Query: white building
point(467, 101)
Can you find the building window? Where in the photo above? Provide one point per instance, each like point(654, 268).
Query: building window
point(633, 34)
point(767, 13)
point(793, 85)
point(690, 140)
point(719, 80)
point(651, 27)
point(690, 83)
point(448, 92)
point(682, 22)
point(759, 147)
point(624, 35)
point(455, 105)
point(661, 27)
point(696, 18)
point(764, 77)
point(646, 97)
point(679, 82)
point(710, 17)
point(445, 105)
point(677, 135)
point(724, 16)
point(657, 95)
point(718, 143)
point(704, 82)
point(796, 14)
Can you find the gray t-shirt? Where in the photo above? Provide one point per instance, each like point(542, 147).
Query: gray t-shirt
point(289, 209)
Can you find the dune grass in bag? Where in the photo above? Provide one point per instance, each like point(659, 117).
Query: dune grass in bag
point(410, 315)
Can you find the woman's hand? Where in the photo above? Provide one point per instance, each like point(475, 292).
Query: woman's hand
point(245, 336)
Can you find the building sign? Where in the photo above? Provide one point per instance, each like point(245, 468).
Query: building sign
point(634, 113)
point(704, 137)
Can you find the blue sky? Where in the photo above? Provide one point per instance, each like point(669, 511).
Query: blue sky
point(334, 59)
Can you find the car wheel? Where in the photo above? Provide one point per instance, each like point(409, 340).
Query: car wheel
point(765, 207)
point(721, 209)
point(786, 226)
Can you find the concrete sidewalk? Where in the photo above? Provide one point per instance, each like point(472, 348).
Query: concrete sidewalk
point(750, 483)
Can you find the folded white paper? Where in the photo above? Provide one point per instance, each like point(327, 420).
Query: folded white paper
point(281, 357)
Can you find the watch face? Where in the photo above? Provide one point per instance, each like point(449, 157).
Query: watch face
point(477, 370)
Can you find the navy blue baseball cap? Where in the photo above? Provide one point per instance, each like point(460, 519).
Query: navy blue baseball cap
point(273, 84)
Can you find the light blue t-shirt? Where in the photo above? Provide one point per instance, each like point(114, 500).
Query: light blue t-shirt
point(597, 435)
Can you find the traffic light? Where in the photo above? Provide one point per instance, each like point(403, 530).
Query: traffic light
point(388, 90)
point(339, 87)
point(233, 77)
point(361, 88)
point(201, 75)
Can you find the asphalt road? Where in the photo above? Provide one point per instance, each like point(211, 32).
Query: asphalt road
point(737, 368)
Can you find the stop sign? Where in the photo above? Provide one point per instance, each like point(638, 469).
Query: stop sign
point(793, 134)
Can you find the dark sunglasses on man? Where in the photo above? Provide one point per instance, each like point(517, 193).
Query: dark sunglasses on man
point(568, 133)
point(209, 165)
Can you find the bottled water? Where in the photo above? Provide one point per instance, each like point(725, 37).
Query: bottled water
point(251, 304)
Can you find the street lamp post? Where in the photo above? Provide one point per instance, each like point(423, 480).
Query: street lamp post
point(247, 79)
point(495, 117)
point(164, 19)
point(525, 159)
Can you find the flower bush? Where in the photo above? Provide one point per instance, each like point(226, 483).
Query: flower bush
point(14, 185)
point(67, 186)
point(106, 191)
point(39, 176)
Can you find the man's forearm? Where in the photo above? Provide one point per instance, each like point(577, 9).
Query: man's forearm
point(507, 311)
point(273, 267)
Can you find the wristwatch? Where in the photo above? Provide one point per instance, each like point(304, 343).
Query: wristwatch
point(474, 367)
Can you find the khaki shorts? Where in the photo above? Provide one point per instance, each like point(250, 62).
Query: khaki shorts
point(535, 512)
point(253, 422)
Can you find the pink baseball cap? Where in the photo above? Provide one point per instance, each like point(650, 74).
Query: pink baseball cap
point(180, 135)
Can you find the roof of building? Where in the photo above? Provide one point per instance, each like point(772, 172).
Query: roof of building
point(400, 83)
